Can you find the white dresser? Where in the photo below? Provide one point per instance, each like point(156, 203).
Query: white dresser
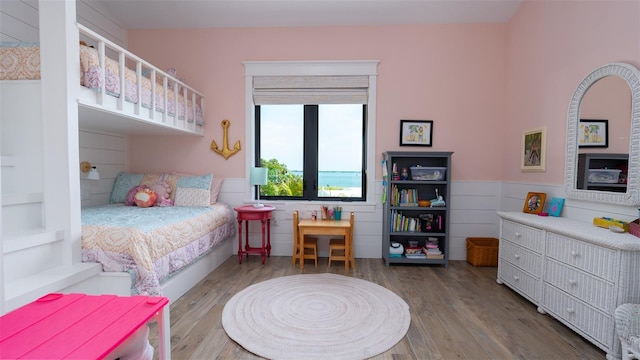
point(575, 271)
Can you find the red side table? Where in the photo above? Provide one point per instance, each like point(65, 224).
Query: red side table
point(247, 213)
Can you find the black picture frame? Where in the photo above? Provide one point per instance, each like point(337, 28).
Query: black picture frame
point(593, 133)
point(416, 132)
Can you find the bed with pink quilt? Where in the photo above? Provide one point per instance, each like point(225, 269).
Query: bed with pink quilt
point(116, 83)
point(152, 244)
point(156, 225)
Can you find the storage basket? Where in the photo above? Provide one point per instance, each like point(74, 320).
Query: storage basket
point(482, 251)
point(428, 173)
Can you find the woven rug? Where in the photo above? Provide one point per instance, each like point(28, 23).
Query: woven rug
point(318, 316)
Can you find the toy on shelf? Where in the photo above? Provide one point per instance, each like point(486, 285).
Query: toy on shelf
point(438, 201)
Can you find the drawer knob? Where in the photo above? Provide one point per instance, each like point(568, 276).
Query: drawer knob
point(574, 253)
point(516, 278)
point(516, 256)
point(573, 282)
point(571, 310)
point(518, 234)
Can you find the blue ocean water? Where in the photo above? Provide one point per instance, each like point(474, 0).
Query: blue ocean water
point(337, 178)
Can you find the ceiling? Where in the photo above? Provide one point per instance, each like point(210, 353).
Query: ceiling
point(147, 14)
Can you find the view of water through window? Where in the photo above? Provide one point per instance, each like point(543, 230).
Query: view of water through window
point(340, 129)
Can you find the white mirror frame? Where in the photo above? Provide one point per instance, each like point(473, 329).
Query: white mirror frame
point(632, 197)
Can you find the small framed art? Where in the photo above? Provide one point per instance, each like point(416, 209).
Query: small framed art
point(534, 202)
point(593, 133)
point(416, 132)
point(533, 151)
point(555, 206)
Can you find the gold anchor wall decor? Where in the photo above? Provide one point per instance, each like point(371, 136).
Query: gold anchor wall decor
point(226, 152)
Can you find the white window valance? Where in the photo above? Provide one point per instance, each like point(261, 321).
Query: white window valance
point(310, 89)
point(310, 82)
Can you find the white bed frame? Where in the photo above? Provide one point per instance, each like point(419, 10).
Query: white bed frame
point(187, 278)
point(44, 221)
point(100, 111)
point(119, 283)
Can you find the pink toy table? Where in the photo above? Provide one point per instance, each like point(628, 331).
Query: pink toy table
point(79, 326)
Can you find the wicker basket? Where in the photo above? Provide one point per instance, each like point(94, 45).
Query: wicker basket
point(482, 251)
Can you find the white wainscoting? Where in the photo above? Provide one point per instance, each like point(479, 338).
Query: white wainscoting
point(19, 21)
point(473, 214)
point(109, 154)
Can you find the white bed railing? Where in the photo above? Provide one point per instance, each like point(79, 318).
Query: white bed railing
point(127, 60)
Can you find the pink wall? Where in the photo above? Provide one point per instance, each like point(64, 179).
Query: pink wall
point(551, 47)
point(483, 85)
point(452, 74)
point(610, 99)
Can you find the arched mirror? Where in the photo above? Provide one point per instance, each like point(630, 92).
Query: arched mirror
point(605, 166)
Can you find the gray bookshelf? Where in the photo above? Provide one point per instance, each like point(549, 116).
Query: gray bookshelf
point(428, 176)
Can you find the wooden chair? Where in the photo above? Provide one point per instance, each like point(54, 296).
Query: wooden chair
point(338, 248)
point(309, 247)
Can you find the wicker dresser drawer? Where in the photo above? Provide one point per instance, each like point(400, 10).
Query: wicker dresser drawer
point(586, 272)
point(523, 235)
point(588, 288)
point(582, 317)
point(591, 258)
point(523, 258)
point(519, 280)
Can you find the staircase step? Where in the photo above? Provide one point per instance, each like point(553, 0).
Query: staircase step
point(26, 239)
point(25, 290)
point(19, 199)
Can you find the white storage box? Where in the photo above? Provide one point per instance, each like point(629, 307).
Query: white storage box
point(604, 176)
point(428, 173)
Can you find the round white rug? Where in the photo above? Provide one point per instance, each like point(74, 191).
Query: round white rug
point(316, 316)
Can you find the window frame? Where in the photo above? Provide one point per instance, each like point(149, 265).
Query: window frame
point(312, 68)
point(311, 153)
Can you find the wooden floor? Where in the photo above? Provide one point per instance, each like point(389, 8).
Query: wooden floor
point(456, 313)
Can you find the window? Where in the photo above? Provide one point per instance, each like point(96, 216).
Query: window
point(293, 109)
point(313, 152)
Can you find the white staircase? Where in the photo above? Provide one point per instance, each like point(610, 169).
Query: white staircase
point(35, 256)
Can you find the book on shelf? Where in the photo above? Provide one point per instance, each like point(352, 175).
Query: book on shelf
point(399, 222)
point(416, 256)
point(432, 253)
point(404, 197)
point(413, 250)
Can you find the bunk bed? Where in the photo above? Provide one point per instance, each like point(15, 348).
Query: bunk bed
point(118, 90)
point(121, 93)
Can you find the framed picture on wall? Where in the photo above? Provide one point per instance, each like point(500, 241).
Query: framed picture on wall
point(534, 202)
point(593, 133)
point(532, 153)
point(416, 132)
